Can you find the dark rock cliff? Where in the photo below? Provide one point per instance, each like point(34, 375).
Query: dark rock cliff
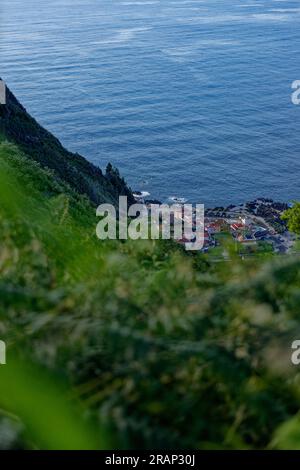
point(19, 127)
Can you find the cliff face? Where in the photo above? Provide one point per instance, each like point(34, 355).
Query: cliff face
point(19, 127)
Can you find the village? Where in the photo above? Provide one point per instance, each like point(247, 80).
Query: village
point(254, 227)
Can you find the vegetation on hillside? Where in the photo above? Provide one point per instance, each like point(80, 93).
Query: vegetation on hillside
point(40, 145)
point(140, 343)
point(292, 217)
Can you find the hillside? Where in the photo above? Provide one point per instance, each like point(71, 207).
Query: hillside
point(39, 144)
point(159, 348)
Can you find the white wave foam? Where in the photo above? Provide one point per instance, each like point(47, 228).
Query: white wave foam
point(178, 200)
point(142, 195)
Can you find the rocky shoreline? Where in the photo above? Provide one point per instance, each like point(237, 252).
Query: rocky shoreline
point(267, 209)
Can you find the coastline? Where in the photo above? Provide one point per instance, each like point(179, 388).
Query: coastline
point(253, 223)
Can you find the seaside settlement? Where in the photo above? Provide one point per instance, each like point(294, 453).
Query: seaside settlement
point(255, 227)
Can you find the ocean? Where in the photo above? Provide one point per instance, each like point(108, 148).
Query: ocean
point(188, 98)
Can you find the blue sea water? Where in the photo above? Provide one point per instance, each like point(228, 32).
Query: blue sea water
point(189, 98)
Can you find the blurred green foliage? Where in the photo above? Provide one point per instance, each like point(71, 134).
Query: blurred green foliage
point(292, 216)
point(30, 394)
point(158, 347)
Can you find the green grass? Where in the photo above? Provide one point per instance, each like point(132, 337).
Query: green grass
point(156, 347)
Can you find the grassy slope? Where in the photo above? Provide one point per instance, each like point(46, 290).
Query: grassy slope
point(40, 145)
point(169, 350)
